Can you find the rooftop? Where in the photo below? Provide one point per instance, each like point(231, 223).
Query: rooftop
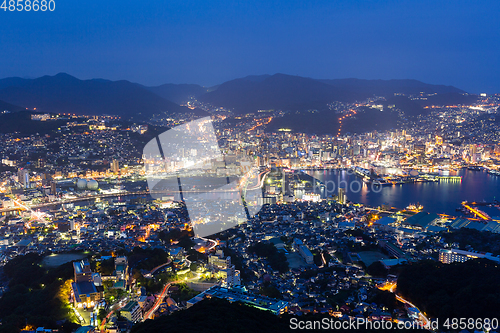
point(85, 288)
point(422, 219)
point(237, 295)
point(130, 306)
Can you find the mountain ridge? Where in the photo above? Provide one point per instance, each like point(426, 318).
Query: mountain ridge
point(63, 93)
point(295, 93)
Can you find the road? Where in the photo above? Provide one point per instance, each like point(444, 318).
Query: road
point(391, 286)
point(423, 318)
point(160, 266)
point(116, 307)
point(159, 300)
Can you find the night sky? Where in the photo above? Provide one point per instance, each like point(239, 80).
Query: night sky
point(208, 42)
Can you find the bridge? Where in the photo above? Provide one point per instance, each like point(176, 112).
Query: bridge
point(476, 212)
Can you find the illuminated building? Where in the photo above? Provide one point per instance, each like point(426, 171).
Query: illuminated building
point(87, 289)
point(23, 176)
point(115, 166)
point(454, 255)
point(219, 261)
point(341, 196)
point(227, 271)
point(132, 311)
point(121, 272)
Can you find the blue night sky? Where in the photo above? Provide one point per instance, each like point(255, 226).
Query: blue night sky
point(207, 42)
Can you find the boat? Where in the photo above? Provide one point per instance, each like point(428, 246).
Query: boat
point(417, 207)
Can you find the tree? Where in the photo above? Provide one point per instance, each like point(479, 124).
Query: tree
point(186, 242)
point(119, 316)
point(377, 269)
point(101, 315)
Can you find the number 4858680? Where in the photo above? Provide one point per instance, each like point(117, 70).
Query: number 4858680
point(28, 5)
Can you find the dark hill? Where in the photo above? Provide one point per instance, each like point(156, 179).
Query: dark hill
point(215, 316)
point(390, 87)
point(279, 91)
point(409, 107)
point(455, 290)
point(370, 119)
point(178, 93)
point(448, 99)
point(294, 93)
point(320, 123)
point(4, 106)
point(21, 122)
point(64, 93)
point(256, 78)
point(367, 119)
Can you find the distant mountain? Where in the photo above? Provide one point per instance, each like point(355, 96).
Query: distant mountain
point(178, 93)
point(371, 119)
point(279, 91)
point(21, 122)
point(390, 87)
point(307, 99)
point(4, 106)
point(409, 107)
point(294, 93)
point(451, 98)
point(256, 78)
point(64, 93)
point(323, 122)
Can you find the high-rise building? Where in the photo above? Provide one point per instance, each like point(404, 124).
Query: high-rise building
point(53, 189)
point(115, 166)
point(472, 149)
point(419, 148)
point(231, 276)
point(341, 196)
point(23, 177)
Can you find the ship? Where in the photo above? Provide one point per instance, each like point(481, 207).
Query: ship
point(417, 207)
point(494, 172)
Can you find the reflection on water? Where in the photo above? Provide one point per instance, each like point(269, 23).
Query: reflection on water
point(436, 197)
